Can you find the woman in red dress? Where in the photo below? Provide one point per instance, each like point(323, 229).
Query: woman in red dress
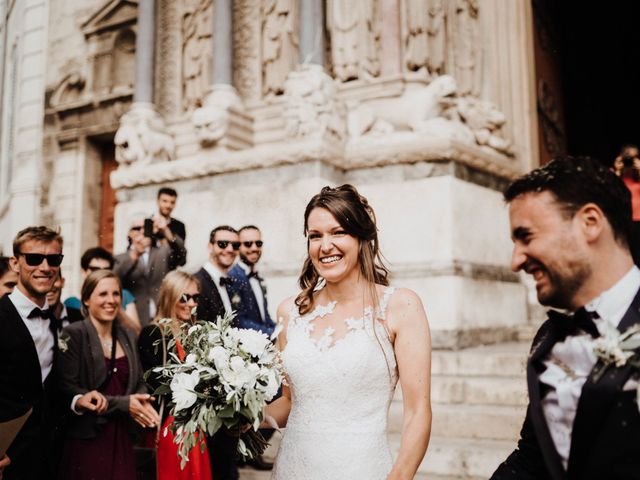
point(177, 299)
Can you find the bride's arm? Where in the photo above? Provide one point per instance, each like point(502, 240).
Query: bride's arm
point(412, 346)
point(279, 409)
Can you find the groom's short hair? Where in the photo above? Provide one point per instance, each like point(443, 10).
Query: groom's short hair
point(576, 181)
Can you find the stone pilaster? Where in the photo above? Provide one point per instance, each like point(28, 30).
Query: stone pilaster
point(312, 31)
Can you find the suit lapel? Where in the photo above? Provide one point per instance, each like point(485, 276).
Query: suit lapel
point(23, 331)
point(597, 399)
point(534, 368)
point(212, 292)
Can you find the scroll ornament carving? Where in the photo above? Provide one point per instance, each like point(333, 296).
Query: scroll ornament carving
point(279, 43)
point(426, 36)
point(211, 121)
point(197, 31)
point(437, 109)
point(354, 26)
point(142, 137)
point(311, 106)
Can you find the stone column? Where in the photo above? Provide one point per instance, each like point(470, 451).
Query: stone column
point(391, 55)
point(221, 121)
point(312, 32)
point(142, 137)
point(222, 42)
point(145, 43)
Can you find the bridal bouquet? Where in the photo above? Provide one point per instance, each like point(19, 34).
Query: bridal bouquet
point(226, 378)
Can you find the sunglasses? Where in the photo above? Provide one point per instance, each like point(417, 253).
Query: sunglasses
point(185, 297)
point(35, 259)
point(258, 243)
point(136, 229)
point(225, 243)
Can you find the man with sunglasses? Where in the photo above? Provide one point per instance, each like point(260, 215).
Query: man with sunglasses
point(28, 340)
point(251, 301)
point(216, 289)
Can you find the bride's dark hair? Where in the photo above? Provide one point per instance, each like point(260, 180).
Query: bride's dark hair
point(354, 214)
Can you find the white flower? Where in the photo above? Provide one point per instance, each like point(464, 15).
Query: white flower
point(253, 342)
point(238, 374)
point(272, 385)
point(62, 344)
point(183, 389)
point(191, 359)
point(193, 328)
point(220, 357)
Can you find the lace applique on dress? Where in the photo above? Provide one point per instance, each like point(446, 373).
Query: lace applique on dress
point(341, 392)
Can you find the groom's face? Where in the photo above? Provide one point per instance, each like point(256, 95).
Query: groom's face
point(548, 245)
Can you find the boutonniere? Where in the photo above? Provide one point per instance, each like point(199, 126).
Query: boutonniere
point(235, 300)
point(617, 349)
point(63, 338)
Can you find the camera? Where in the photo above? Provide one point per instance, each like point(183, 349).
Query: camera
point(627, 161)
point(148, 227)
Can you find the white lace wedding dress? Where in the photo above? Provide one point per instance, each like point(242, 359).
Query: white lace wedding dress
point(341, 391)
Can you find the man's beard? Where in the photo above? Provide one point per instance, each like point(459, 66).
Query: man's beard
point(246, 261)
point(564, 286)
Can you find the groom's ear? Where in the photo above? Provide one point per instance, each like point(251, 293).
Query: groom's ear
point(591, 221)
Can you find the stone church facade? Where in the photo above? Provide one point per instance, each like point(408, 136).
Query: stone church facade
point(248, 107)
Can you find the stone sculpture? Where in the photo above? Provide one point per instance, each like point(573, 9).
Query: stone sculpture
point(142, 137)
point(279, 44)
point(311, 106)
point(354, 27)
point(197, 31)
point(212, 120)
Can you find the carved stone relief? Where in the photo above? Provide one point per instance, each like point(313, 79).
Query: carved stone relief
point(247, 75)
point(212, 120)
point(197, 48)
point(354, 27)
point(311, 106)
point(68, 91)
point(142, 137)
point(279, 43)
point(124, 60)
point(168, 75)
point(437, 109)
point(464, 45)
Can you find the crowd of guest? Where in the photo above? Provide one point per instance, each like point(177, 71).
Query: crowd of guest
point(76, 367)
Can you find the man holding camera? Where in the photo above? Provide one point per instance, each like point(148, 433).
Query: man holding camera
point(627, 166)
point(142, 268)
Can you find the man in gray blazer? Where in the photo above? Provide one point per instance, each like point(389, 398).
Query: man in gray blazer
point(143, 266)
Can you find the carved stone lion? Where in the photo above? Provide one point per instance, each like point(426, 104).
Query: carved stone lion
point(142, 137)
point(211, 121)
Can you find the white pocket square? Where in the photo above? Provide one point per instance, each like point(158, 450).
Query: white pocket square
point(632, 384)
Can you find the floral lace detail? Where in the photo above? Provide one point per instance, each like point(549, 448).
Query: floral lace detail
point(341, 392)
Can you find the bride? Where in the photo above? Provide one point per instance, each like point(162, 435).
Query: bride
point(347, 339)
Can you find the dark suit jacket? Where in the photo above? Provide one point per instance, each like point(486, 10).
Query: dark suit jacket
point(606, 431)
point(21, 388)
point(144, 282)
point(81, 368)
point(245, 303)
point(210, 305)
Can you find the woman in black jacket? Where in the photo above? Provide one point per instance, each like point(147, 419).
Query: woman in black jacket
point(101, 379)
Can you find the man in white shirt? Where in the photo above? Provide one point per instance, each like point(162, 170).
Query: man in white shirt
point(215, 284)
point(570, 224)
point(27, 346)
point(250, 302)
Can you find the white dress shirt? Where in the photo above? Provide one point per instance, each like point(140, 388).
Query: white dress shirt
point(256, 287)
point(38, 328)
point(215, 274)
point(570, 362)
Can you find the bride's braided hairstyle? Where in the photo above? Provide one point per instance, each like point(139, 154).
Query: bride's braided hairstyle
point(354, 214)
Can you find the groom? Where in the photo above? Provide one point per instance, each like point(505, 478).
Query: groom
point(570, 225)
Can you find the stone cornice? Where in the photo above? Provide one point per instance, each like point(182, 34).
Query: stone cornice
point(394, 149)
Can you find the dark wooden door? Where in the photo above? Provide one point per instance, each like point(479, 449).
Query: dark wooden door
point(552, 131)
point(108, 202)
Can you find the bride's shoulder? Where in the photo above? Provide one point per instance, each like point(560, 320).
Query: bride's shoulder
point(285, 308)
point(405, 306)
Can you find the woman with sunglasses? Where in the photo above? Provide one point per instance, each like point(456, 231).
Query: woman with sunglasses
point(100, 377)
point(177, 300)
